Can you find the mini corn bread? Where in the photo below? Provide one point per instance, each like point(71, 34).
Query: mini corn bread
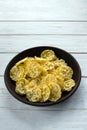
point(45, 91)
point(20, 86)
point(34, 94)
point(48, 54)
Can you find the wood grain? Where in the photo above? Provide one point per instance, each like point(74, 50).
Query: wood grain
point(50, 120)
point(43, 10)
point(77, 44)
point(67, 28)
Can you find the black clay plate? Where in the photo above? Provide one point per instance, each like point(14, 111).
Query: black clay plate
point(36, 52)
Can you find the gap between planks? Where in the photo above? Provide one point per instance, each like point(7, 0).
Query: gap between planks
point(43, 34)
point(38, 108)
point(22, 20)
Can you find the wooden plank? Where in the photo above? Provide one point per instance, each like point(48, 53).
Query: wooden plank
point(19, 43)
point(43, 28)
point(40, 10)
point(4, 59)
point(77, 102)
point(81, 58)
point(50, 120)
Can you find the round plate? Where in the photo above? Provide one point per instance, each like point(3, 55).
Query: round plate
point(70, 60)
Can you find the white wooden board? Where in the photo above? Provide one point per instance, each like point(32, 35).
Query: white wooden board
point(43, 10)
point(75, 44)
point(55, 28)
point(42, 120)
